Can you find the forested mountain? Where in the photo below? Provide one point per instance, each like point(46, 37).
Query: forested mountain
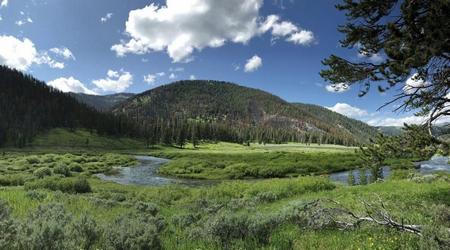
point(229, 112)
point(102, 102)
point(357, 128)
point(28, 106)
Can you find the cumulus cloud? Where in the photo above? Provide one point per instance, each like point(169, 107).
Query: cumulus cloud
point(374, 58)
point(115, 81)
point(181, 27)
point(70, 85)
point(16, 53)
point(286, 29)
point(106, 17)
point(192, 77)
point(381, 119)
point(338, 87)
point(172, 76)
point(414, 83)
point(253, 64)
point(63, 52)
point(21, 54)
point(398, 121)
point(3, 4)
point(44, 58)
point(150, 79)
point(348, 110)
point(304, 37)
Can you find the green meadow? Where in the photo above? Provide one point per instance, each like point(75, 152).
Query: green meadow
point(260, 201)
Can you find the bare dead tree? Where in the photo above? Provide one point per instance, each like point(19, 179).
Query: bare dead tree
point(332, 214)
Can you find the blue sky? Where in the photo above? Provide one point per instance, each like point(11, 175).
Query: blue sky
point(277, 46)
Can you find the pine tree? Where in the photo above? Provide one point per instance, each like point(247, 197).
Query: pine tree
point(411, 38)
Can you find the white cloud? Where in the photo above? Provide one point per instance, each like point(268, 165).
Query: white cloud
point(177, 69)
point(374, 58)
point(338, 87)
point(414, 83)
point(16, 53)
point(304, 37)
point(253, 64)
point(286, 29)
point(112, 74)
point(181, 27)
point(150, 79)
point(3, 4)
point(172, 76)
point(63, 52)
point(348, 110)
point(21, 54)
point(70, 85)
point(389, 121)
point(24, 21)
point(192, 77)
point(106, 17)
point(115, 81)
point(381, 119)
point(44, 58)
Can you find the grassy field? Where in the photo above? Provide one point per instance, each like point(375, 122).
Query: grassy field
point(54, 199)
point(235, 214)
point(233, 161)
point(60, 139)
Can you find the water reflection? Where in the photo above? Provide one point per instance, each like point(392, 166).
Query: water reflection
point(366, 176)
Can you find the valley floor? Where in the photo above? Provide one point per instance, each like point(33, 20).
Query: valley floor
point(55, 200)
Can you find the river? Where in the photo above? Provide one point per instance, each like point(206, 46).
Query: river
point(146, 173)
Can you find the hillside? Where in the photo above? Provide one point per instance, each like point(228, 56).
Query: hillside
point(355, 127)
point(102, 102)
point(28, 107)
point(240, 108)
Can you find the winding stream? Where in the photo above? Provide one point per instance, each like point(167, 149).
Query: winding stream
point(146, 173)
point(435, 164)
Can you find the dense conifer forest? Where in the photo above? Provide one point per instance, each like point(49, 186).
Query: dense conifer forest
point(222, 111)
point(28, 106)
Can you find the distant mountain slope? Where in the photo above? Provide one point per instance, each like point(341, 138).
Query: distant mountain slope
point(240, 106)
point(102, 103)
point(438, 130)
point(28, 107)
point(355, 127)
point(390, 130)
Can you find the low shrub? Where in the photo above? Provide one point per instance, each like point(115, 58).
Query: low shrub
point(132, 231)
point(12, 180)
point(67, 185)
point(75, 167)
point(62, 170)
point(36, 195)
point(42, 172)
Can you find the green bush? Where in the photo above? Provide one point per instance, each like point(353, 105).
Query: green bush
point(86, 232)
point(132, 231)
point(12, 180)
point(46, 228)
point(42, 172)
point(67, 185)
point(32, 159)
point(75, 167)
point(62, 170)
point(36, 195)
point(8, 228)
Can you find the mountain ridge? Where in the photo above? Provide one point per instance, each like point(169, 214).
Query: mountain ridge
point(238, 106)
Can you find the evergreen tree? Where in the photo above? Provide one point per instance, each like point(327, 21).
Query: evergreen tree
point(411, 38)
